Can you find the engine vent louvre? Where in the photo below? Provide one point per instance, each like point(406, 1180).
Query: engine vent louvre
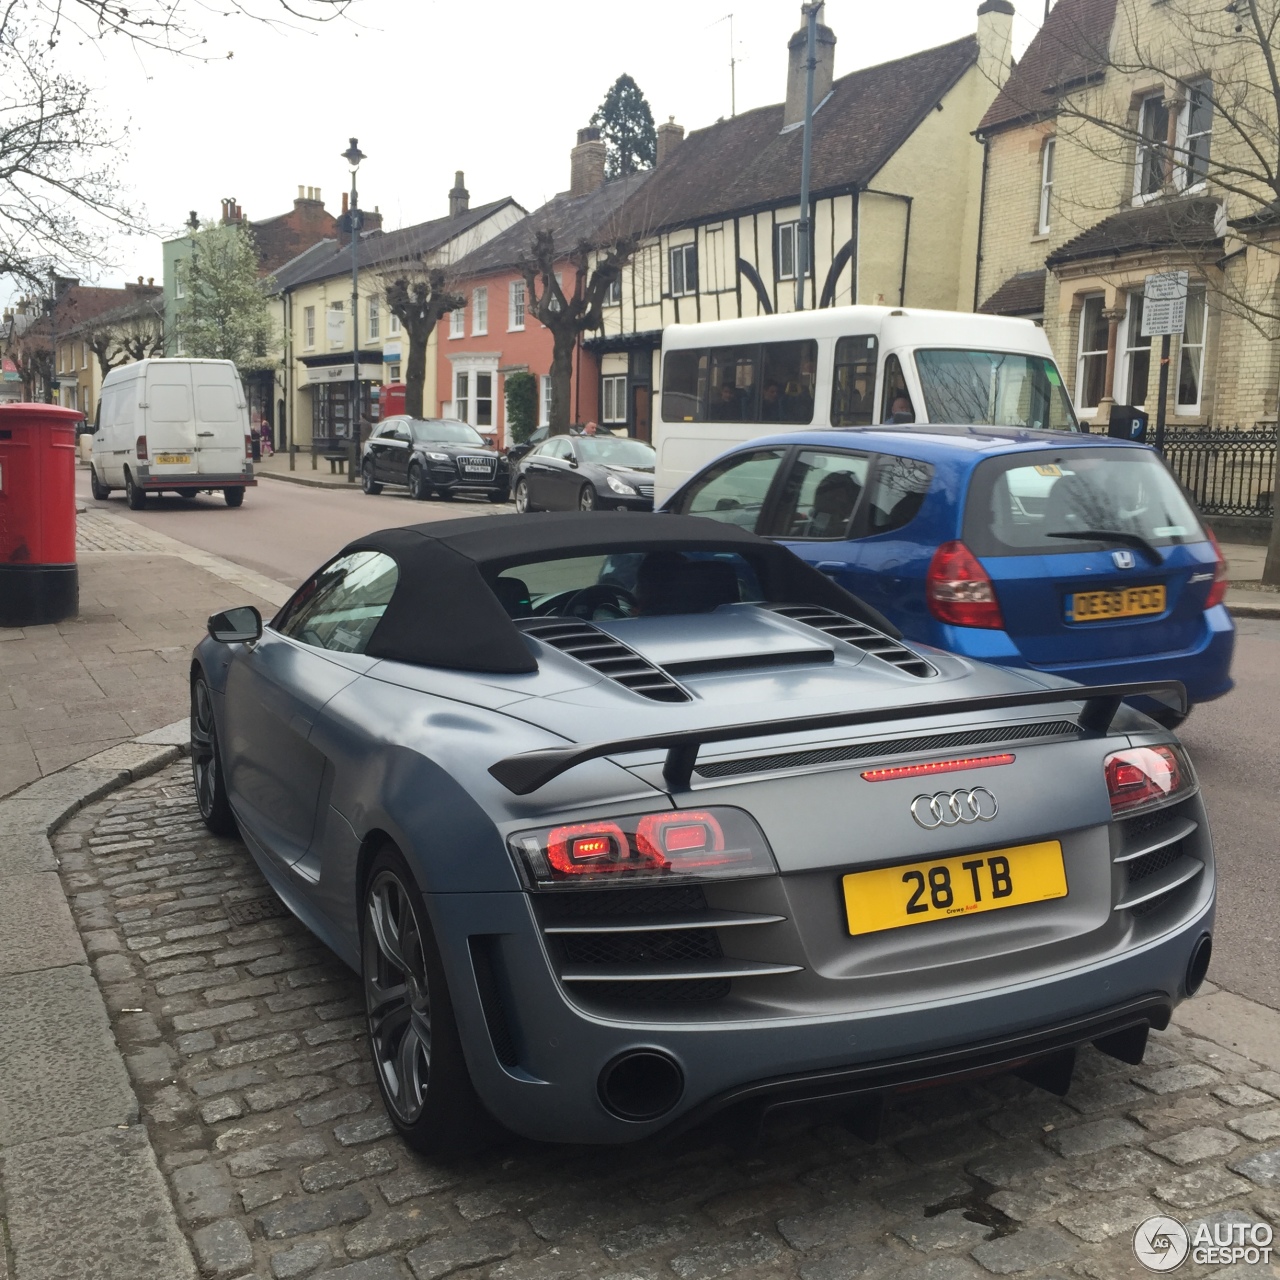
point(602, 653)
point(858, 634)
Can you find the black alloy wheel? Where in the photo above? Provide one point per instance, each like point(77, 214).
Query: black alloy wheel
point(419, 490)
point(234, 496)
point(367, 482)
point(413, 1035)
point(523, 505)
point(587, 498)
point(134, 496)
point(206, 763)
point(96, 487)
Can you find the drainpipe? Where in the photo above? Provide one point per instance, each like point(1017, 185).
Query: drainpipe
point(806, 155)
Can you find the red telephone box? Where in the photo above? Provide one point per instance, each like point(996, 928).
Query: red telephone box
point(39, 582)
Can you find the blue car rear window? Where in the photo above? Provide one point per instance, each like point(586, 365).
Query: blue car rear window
point(1046, 503)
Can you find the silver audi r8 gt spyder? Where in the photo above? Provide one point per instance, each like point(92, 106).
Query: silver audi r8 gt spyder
point(625, 822)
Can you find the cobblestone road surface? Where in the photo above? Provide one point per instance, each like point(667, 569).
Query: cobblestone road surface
point(245, 1043)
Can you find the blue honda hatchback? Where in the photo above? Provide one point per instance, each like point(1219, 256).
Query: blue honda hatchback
point(1074, 555)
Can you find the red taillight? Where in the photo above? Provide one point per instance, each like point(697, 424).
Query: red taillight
point(959, 590)
point(140, 448)
point(694, 842)
point(936, 766)
point(587, 849)
point(248, 447)
point(1221, 576)
point(1141, 775)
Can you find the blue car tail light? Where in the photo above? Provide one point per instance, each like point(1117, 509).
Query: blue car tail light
point(672, 845)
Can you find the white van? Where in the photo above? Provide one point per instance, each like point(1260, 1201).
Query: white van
point(180, 425)
point(729, 381)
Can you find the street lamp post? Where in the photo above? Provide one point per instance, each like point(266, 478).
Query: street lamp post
point(353, 155)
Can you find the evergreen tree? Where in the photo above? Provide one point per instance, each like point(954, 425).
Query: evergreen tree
point(225, 315)
point(626, 126)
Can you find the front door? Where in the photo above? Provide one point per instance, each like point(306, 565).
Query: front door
point(640, 413)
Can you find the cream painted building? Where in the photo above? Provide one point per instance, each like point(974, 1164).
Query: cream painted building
point(895, 198)
point(1102, 171)
point(312, 301)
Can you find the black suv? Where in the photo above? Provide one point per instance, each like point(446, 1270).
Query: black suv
point(432, 456)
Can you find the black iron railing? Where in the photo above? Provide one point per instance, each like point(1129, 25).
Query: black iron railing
point(1230, 471)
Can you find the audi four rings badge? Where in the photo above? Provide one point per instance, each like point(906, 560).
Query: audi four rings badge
point(949, 808)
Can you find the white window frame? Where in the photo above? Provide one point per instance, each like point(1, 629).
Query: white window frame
point(1183, 178)
point(492, 398)
point(393, 372)
point(1144, 147)
point(179, 285)
point(516, 306)
point(462, 394)
point(480, 311)
point(613, 398)
point(1130, 341)
point(682, 253)
point(544, 401)
point(393, 324)
point(309, 327)
point(1045, 220)
point(1191, 410)
point(1082, 353)
point(458, 323)
point(375, 319)
point(613, 294)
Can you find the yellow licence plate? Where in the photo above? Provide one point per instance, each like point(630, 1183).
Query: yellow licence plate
point(170, 459)
point(1098, 606)
point(891, 897)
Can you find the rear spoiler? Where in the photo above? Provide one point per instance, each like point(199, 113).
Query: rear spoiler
point(530, 770)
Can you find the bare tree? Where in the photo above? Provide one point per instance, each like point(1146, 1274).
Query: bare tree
point(28, 343)
point(126, 339)
point(592, 268)
point(419, 297)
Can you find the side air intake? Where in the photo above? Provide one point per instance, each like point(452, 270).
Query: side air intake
point(602, 653)
point(858, 634)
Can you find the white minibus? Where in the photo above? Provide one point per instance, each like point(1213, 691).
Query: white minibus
point(729, 381)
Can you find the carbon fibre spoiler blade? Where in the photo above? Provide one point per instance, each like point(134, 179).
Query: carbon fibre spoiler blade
point(527, 772)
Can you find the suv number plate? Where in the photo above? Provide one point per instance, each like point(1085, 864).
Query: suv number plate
point(891, 897)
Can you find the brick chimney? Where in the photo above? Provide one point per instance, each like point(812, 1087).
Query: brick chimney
point(586, 163)
point(231, 211)
point(995, 41)
point(823, 72)
point(670, 136)
point(459, 197)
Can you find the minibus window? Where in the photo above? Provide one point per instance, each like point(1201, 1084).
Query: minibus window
point(733, 384)
point(853, 382)
point(896, 393)
point(787, 381)
point(994, 388)
point(684, 384)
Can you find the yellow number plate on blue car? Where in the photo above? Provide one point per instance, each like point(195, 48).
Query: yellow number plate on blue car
point(1101, 606)
point(891, 897)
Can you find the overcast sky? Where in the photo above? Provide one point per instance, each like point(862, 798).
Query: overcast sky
point(496, 88)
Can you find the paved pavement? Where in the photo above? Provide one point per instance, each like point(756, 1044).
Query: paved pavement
point(245, 1044)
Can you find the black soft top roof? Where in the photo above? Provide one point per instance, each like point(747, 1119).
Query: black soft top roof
point(443, 613)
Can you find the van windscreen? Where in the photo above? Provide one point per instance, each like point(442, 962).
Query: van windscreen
point(994, 388)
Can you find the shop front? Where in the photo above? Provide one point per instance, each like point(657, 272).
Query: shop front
point(327, 382)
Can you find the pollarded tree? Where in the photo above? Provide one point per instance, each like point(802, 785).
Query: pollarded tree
point(226, 315)
point(591, 269)
point(419, 297)
point(626, 127)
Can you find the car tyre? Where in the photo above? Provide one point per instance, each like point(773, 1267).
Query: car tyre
point(523, 505)
point(367, 482)
point(234, 496)
point(188, 495)
point(134, 496)
point(99, 490)
point(419, 490)
point(587, 498)
point(206, 763)
point(413, 1034)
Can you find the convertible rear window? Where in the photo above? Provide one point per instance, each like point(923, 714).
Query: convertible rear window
point(1038, 503)
point(627, 585)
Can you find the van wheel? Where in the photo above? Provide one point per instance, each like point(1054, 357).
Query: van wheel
point(234, 497)
point(135, 497)
point(99, 490)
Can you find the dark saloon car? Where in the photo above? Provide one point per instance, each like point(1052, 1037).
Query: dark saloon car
point(585, 473)
point(433, 457)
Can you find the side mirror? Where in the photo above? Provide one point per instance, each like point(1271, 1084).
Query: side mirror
point(236, 626)
point(573, 461)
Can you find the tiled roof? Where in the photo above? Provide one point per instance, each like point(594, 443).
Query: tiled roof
point(1188, 223)
point(329, 258)
point(1068, 50)
point(144, 304)
point(747, 162)
point(571, 219)
point(1020, 295)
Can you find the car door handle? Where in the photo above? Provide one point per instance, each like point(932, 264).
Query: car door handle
point(830, 567)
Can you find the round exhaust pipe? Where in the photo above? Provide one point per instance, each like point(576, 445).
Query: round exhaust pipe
point(1198, 965)
point(640, 1085)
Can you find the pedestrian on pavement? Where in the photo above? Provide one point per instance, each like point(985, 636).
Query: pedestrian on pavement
point(264, 431)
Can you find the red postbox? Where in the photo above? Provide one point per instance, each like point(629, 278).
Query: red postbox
point(38, 577)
